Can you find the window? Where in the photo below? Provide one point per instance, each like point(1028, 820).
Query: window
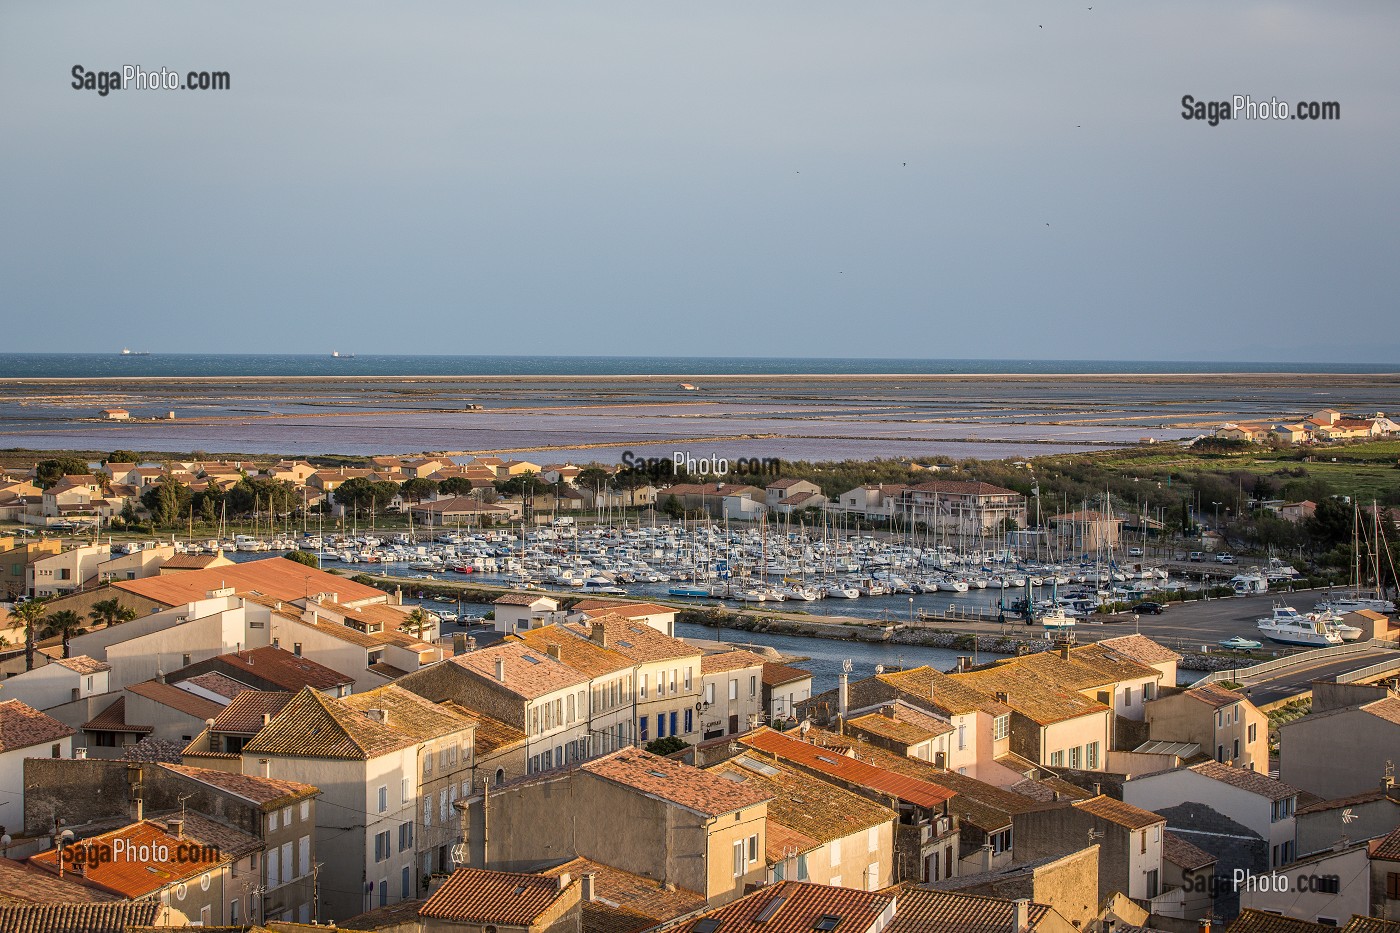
point(1253, 734)
point(1149, 692)
point(383, 892)
point(383, 800)
point(427, 764)
point(304, 851)
point(710, 693)
point(872, 839)
point(1220, 753)
point(1392, 885)
point(689, 721)
point(1001, 727)
point(1074, 757)
point(1237, 749)
point(233, 912)
point(753, 848)
point(642, 686)
point(1143, 839)
point(405, 795)
point(674, 716)
point(802, 867)
point(1152, 883)
point(642, 728)
point(428, 801)
point(1326, 921)
point(687, 679)
point(1057, 759)
point(1327, 884)
point(272, 821)
point(1091, 755)
point(733, 688)
point(442, 805)
point(381, 846)
point(405, 836)
point(661, 725)
point(675, 676)
point(274, 868)
point(739, 865)
point(753, 685)
point(962, 736)
point(535, 721)
point(1127, 696)
point(835, 848)
point(306, 804)
point(406, 887)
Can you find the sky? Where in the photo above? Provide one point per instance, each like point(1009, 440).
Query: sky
point(786, 178)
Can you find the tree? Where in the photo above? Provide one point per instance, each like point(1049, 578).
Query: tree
point(671, 507)
point(301, 557)
point(415, 623)
point(167, 501)
point(65, 622)
point(49, 472)
point(526, 484)
point(109, 612)
point(30, 614)
point(455, 486)
point(123, 456)
point(419, 488)
point(592, 477)
point(667, 746)
point(361, 493)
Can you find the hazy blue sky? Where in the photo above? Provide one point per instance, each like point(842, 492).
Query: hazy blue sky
point(706, 178)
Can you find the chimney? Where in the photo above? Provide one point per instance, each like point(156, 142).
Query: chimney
point(1021, 919)
point(844, 698)
point(1098, 789)
point(1064, 652)
point(1203, 925)
point(964, 662)
point(265, 766)
point(296, 648)
point(987, 856)
point(176, 827)
point(1003, 696)
point(459, 643)
point(501, 669)
point(138, 806)
point(80, 753)
point(598, 632)
point(380, 716)
point(276, 642)
point(887, 712)
point(587, 894)
point(552, 651)
point(563, 880)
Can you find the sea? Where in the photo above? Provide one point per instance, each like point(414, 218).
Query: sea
point(193, 365)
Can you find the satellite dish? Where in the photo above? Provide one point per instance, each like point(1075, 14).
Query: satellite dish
point(805, 727)
point(459, 854)
point(879, 668)
point(846, 665)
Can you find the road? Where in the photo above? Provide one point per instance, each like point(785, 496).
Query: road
point(1295, 681)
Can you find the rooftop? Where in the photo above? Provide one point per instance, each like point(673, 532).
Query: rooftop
point(263, 791)
point(475, 895)
point(795, 907)
point(818, 809)
point(674, 782)
point(1118, 812)
point(1245, 779)
point(575, 650)
point(624, 902)
point(23, 726)
point(529, 673)
point(922, 911)
point(836, 765)
point(314, 725)
point(276, 577)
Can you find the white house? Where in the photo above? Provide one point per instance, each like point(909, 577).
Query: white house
point(25, 732)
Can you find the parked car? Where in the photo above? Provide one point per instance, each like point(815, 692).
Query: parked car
point(1134, 552)
point(1224, 558)
point(1197, 557)
point(1150, 609)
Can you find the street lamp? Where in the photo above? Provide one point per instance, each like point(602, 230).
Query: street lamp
point(1217, 515)
point(911, 612)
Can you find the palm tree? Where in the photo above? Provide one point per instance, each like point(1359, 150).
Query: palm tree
point(31, 613)
point(416, 622)
point(110, 612)
point(65, 622)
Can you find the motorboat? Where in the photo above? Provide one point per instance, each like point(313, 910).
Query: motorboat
point(1288, 626)
point(1240, 643)
point(1056, 620)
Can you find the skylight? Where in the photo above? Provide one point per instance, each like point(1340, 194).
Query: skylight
point(769, 909)
point(830, 761)
point(827, 923)
point(531, 658)
point(707, 925)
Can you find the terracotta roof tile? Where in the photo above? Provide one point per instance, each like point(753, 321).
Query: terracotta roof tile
point(1183, 854)
point(215, 682)
point(777, 675)
point(181, 700)
point(1387, 709)
point(836, 765)
point(1214, 695)
point(1387, 848)
point(114, 917)
point(22, 883)
point(83, 664)
point(1141, 649)
point(1118, 812)
point(113, 719)
point(721, 662)
point(474, 895)
point(133, 877)
point(272, 576)
point(266, 792)
point(317, 726)
point(626, 903)
point(943, 691)
point(521, 599)
point(902, 723)
point(796, 907)
point(409, 713)
point(921, 911)
point(674, 782)
point(529, 673)
point(283, 668)
point(806, 804)
point(23, 726)
point(628, 610)
point(244, 714)
point(576, 651)
point(1262, 921)
point(1245, 779)
point(636, 640)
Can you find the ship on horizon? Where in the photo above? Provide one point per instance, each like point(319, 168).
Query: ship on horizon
point(127, 351)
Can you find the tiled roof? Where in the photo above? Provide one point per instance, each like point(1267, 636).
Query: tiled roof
point(521, 599)
point(1214, 695)
point(113, 719)
point(22, 883)
point(921, 911)
point(628, 610)
point(783, 842)
point(244, 714)
point(902, 723)
point(23, 726)
point(474, 895)
point(286, 669)
point(942, 691)
point(796, 907)
point(1360, 924)
point(134, 878)
point(836, 765)
point(181, 700)
point(266, 792)
point(636, 640)
point(722, 662)
point(1338, 803)
point(189, 562)
point(674, 782)
point(83, 664)
point(809, 805)
point(1141, 649)
point(777, 675)
point(1262, 921)
point(1034, 690)
point(1118, 812)
point(576, 651)
point(1387, 847)
point(114, 917)
point(1245, 779)
point(962, 488)
point(317, 726)
point(1387, 709)
point(277, 577)
point(221, 684)
point(1183, 854)
point(624, 902)
point(409, 713)
point(492, 735)
point(528, 673)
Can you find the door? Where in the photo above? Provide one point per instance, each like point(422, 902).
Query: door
point(733, 723)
